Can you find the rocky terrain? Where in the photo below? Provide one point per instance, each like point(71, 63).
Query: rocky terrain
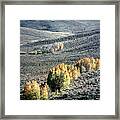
point(80, 39)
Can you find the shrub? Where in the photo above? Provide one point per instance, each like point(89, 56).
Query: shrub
point(87, 64)
point(60, 76)
point(31, 90)
point(43, 91)
point(55, 81)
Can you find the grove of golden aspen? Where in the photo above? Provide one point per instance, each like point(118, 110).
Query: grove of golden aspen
point(59, 78)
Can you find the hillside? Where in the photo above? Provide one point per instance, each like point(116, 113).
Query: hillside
point(80, 38)
point(29, 35)
point(71, 26)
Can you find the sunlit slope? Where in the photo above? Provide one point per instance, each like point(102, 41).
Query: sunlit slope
point(83, 43)
point(30, 35)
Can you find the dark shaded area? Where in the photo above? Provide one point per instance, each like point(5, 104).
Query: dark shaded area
point(73, 26)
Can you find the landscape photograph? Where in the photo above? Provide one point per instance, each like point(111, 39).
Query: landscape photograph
point(59, 59)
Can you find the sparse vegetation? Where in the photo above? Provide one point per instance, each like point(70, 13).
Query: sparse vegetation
point(66, 54)
point(59, 78)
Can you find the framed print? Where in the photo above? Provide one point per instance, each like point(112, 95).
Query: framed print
point(60, 59)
